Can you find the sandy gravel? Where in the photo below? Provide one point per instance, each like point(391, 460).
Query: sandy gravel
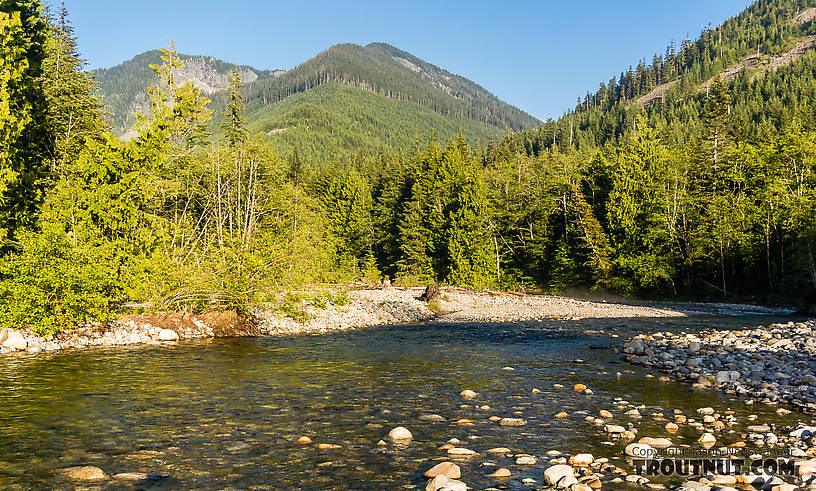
point(372, 307)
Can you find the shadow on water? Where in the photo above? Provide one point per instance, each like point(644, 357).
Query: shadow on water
point(225, 413)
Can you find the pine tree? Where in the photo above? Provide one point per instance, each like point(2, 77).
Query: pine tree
point(25, 42)
point(14, 109)
point(234, 123)
point(73, 113)
point(717, 121)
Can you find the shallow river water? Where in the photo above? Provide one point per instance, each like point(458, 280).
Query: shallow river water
point(225, 413)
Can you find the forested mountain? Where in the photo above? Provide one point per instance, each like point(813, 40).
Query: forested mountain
point(123, 88)
point(691, 177)
point(765, 55)
point(337, 98)
point(383, 69)
point(335, 120)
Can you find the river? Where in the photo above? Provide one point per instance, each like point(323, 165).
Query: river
point(225, 413)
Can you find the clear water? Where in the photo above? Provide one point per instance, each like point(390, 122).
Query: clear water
point(225, 413)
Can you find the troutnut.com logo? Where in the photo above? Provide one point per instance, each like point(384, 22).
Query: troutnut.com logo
point(721, 466)
point(724, 461)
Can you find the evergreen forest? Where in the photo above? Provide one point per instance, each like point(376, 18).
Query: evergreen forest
point(683, 178)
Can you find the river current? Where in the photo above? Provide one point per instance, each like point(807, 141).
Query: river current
point(225, 413)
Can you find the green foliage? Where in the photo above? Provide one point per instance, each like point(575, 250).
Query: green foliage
point(73, 113)
point(708, 194)
point(338, 120)
point(387, 71)
point(54, 285)
point(22, 167)
point(123, 88)
point(234, 123)
point(14, 109)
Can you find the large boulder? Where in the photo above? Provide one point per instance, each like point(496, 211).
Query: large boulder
point(168, 335)
point(582, 460)
point(11, 338)
point(560, 475)
point(400, 434)
point(442, 483)
point(447, 469)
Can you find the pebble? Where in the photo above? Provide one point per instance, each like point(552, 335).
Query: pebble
point(526, 460)
point(614, 429)
point(707, 439)
point(656, 442)
point(304, 440)
point(468, 394)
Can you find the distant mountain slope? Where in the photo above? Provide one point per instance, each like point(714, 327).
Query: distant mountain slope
point(765, 55)
point(386, 70)
point(395, 98)
point(123, 88)
point(338, 119)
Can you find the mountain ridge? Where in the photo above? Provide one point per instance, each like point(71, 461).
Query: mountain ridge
point(378, 68)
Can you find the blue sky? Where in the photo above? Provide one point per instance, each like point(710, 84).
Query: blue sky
point(537, 55)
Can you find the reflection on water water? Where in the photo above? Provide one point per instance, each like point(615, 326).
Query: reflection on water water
point(225, 413)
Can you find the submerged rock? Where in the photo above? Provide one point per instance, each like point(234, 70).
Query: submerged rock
point(512, 422)
point(468, 394)
point(85, 473)
point(130, 476)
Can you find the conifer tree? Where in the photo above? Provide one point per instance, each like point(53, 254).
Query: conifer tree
point(234, 123)
point(716, 120)
point(73, 113)
point(26, 45)
point(14, 109)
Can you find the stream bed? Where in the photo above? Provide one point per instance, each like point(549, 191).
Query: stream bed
point(225, 413)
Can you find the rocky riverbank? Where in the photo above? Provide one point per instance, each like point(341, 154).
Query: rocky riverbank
point(771, 365)
point(320, 311)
